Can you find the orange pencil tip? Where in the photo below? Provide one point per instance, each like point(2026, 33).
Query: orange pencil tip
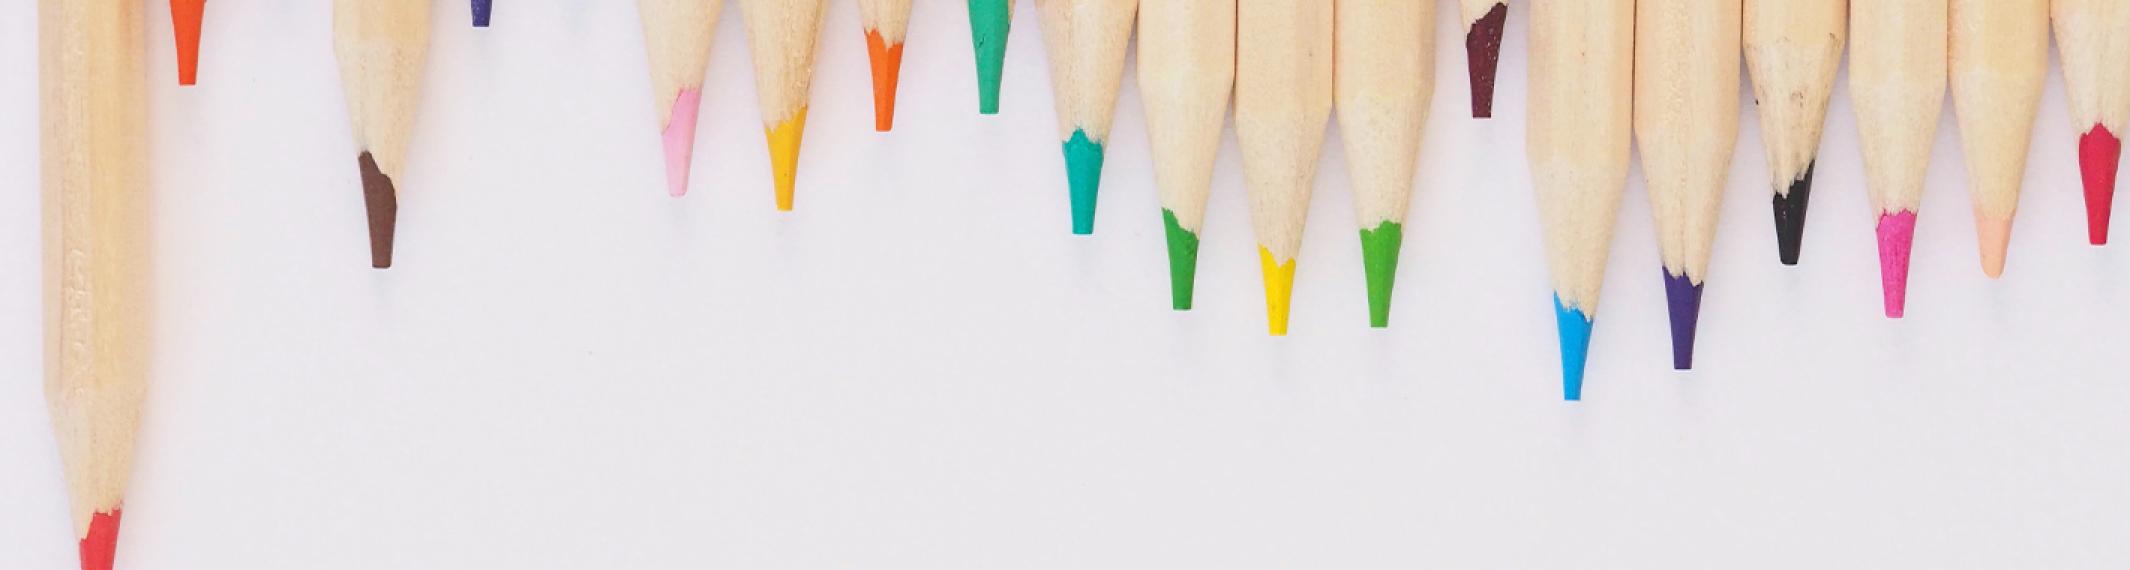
point(185, 25)
point(887, 73)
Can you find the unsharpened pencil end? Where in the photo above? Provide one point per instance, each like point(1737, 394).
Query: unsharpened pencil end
point(1574, 327)
point(1183, 261)
point(480, 12)
point(1897, 233)
point(1279, 290)
point(1083, 173)
point(990, 22)
point(784, 156)
point(1482, 52)
point(2098, 155)
point(1790, 210)
point(1379, 258)
point(99, 549)
point(887, 74)
point(679, 140)
point(381, 200)
point(1682, 299)
point(1993, 237)
point(185, 18)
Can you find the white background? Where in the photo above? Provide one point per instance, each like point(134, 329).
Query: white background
point(920, 368)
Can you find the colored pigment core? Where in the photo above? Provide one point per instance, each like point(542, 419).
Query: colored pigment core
point(784, 156)
point(1183, 261)
point(1575, 347)
point(1992, 237)
point(1897, 233)
point(100, 548)
point(480, 12)
point(887, 73)
point(185, 26)
point(1790, 215)
point(1682, 297)
point(381, 201)
point(1279, 290)
point(1379, 256)
point(1083, 171)
point(989, 23)
point(1482, 53)
point(2098, 152)
point(679, 139)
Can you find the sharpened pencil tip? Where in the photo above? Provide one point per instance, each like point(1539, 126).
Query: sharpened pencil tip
point(185, 26)
point(1183, 261)
point(481, 8)
point(1682, 298)
point(381, 200)
point(99, 549)
point(990, 22)
point(887, 74)
point(1993, 237)
point(1574, 326)
point(1896, 234)
point(1482, 49)
point(784, 156)
point(2098, 155)
point(679, 140)
point(1083, 173)
point(1279, 290)
point(1379, 260)
point(1790, 208)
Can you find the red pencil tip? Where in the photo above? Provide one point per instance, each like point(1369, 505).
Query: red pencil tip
point(2098, 152)
point(100, 548)
point(185, 25)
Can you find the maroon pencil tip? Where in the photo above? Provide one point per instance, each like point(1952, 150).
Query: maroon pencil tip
point(382, 203)
point(1482, 48)
point(99, 549)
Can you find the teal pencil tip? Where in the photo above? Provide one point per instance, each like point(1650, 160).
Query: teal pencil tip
point(990, 22)
point(1575, 347)
point(1183, 261)
point(1379, 257)
point(1083, 170)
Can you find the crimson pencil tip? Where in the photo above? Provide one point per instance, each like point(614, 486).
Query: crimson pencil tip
point(2098, 154)
point(99, 548)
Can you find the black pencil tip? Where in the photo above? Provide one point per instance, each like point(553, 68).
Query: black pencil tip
point(1790, 215)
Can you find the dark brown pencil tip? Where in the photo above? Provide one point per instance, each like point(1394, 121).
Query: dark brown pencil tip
point(382, 202)
point(1482, 52)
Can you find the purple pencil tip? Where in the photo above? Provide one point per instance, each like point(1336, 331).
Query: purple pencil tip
point(1683, 297)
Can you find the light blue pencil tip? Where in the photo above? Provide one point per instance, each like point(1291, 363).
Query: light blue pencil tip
point(1575, 347)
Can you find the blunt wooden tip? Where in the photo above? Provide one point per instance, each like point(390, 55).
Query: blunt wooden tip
point(1482, 52)
point(381, 200)
point(1790, 216)
point(99, 548)
point(1896, 234)
point(2098, 154)
point(887, 74)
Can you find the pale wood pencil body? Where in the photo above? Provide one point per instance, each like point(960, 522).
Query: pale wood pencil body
point(1897, 56)
point(96, 269)
point(1686, 120)
point(2091, 36)
point(1794, 49)
point(781, 34)
point(1580, 104)
point(1999, 54)
point(889, 17)
point(1186, 77)
point(1385, 69)
point(1283, 92)
point(1086, 41)
point(382, 46)
point(1473, 10)
point(677, 37)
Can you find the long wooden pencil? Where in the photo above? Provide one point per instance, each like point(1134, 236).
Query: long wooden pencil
point(382, 46)
point(1686, 123)
point(781, 34)
point(96, 251)
point(1998, 53)
point(1483, 21)
point(990, 23)
point(1283, 93)
point(481, 8)
point(2091, 42)
point(1897, 83)
point(886, 22)
point(1087, 39)
point(185, 18)
point(677, 36)
point(1385, 68)
point(1186, 76)
point(1794, 48)
point(1576, 140)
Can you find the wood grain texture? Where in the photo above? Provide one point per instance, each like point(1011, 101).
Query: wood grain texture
point(1686, 120)
point(382, 46)
point(1186, 78)
point(1086, 41)
point(1578, 133)
point(1385, 68)
point(1283, 95)
point(677, 37)
point(782, 35)
point(1794, 49)
point(1897, 60)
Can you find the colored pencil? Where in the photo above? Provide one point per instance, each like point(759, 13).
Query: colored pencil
point(481, 9)
point(1086, 41)
point(1483, 21)
point(781, 34)
point(677, 35)
point(1186, 76)
point(381, 45)
point(1793, 48)
point(1283, 92)
point(1576, 140)
point(1999, 53)
point(2092, 44)
point(990, 22)
point(96, 249)
point(185, 18)
point(1686, 123)
point(886, 22)
point(1384, 64)
point(1897, 59)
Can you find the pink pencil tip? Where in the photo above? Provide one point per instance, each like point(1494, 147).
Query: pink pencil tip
point(680, 141)
point(1897, 232)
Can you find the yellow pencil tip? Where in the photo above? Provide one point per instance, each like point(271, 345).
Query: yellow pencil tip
point(784, 156)
point(1279, 289)
point(1994, 236)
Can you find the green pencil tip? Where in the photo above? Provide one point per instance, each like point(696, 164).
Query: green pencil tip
point(1379, 255)
point(1183, 261)
point(1083, 170)
point(990, 21)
